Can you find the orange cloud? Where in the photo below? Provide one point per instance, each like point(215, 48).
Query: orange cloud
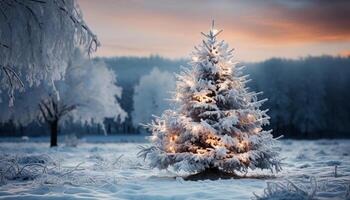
point(171, 28)
point(345, 53)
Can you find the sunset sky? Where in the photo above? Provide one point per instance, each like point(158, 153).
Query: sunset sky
point(256, 29)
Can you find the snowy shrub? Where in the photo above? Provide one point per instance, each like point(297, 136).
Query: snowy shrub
point(103, 163)
point(25, 138)
point(23, 167)
point(288, 190)
point(43, 169)
point(312, 189)
point(71, 141)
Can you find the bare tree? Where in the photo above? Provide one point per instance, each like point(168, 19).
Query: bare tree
point(52, 111)
point(88, 95)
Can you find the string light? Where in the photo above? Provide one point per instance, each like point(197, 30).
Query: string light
point(195, 128)
point(171, 149)
point(178, 96)
point(219, 136)
point(250, 118)
point(173, 138)
point(154, 138)
point(201, 151)
point(189, 83)
point(257, 130)
point(243, 145)
point(201, 98)
point(212, 142)
point(243, 158)
point(162, 129)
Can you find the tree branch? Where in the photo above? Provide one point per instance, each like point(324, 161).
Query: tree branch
point(50, 113)
point(12, 76)
point(42, 110)
point(94, 43)
point(31, 12)
point(66, 109)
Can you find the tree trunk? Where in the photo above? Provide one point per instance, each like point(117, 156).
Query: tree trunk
point(211, 174)
point(214, 173)
point(54, 130)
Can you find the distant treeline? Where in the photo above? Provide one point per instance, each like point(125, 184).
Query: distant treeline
point(308, 97)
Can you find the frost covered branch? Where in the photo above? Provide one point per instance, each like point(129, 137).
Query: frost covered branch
point(52, 109)
point(22, 167)
point(288, 190)
point(37, 39)
point(42, 168)
point(14, 82)
point(88, 95)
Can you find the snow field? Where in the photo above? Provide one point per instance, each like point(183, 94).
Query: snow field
point(32, 170)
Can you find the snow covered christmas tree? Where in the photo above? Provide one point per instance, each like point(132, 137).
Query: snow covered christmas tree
point(217, 123)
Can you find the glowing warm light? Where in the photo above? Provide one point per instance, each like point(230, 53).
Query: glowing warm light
point(177, 97)
point(257, 130)
point(162, 129)
point(189, 83)
point(211, 142)
point(154, 138)
point(250, 117)
point(244, 159)
point(201, 98)
point(195, 58)
point(243, 145)
point(247, 119)
point(229, 70)
point(173, 138)
point(201, 151)
point(214, 31)
point(195, 128)
point(171, 149)
point(214, 142)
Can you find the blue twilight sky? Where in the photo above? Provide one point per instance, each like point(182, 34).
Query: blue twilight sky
point(256, 29)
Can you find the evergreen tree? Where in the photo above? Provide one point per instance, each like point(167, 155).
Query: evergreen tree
point(217, 123)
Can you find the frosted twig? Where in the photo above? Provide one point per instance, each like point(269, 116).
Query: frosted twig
point(74, 169)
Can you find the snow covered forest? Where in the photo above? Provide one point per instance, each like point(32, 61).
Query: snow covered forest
point(307, 96)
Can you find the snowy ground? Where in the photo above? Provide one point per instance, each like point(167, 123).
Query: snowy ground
point(99, 169)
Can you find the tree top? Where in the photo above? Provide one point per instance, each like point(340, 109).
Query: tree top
point(212, 32)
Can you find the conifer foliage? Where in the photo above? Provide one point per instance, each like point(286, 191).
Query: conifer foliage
point(217, 122)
